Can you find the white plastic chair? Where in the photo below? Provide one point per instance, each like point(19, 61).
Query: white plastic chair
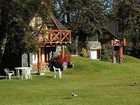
point(57, 70)
point(9, 73)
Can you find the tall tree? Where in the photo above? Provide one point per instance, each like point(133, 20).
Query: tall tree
point(14, 17)
point(85, 17)
point(127, 12)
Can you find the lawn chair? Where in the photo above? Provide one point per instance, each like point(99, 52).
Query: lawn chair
point(9, 73)
point(57, 70)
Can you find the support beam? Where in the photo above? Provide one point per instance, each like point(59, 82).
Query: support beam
point(113, 55)
point(62, 52)
point(120, 54)
point(39, 60)
point(46, 55)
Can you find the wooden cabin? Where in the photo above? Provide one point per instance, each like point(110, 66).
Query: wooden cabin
point(49, 35)
point(111, 38)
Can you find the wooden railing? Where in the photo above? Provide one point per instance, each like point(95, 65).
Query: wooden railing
point(117, 42)
point(55, 37)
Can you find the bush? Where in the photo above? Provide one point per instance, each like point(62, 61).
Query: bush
point(84, 52)
point(55, 63)
point(132, 50)
point(71, 47)
point(58, 61)
point(106, 53)
point(67, 58)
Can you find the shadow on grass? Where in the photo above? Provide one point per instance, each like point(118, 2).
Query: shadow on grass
point(67, 98)
point(6, 78)
point(49, 76)
point(2, 77)
point(19, 78)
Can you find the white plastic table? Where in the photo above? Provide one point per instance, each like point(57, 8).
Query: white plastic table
point(25, 71)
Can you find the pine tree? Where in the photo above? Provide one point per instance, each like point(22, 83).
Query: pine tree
point(85, 17)
point(127, 12)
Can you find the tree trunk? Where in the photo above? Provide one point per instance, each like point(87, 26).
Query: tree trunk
point(2, 47)
point(76, 44)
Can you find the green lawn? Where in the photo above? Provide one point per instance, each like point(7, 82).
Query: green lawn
point(95, 83)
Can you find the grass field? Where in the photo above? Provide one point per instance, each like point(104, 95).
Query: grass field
point(95, 83)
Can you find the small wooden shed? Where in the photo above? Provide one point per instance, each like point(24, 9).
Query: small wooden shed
point(115, 43)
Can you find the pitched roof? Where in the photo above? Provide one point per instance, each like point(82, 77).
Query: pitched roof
point(57, 23)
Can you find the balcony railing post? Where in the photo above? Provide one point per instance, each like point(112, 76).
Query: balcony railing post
point(60, 37)
point(50, 36)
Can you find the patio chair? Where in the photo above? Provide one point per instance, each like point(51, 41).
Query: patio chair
point(9, 73)
point(57, 70)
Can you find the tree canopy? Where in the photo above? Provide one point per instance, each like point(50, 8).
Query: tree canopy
point(83, 17)
point(15, 15)
point(127, 12)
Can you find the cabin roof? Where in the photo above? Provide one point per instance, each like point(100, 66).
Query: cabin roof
point(57, 23)
point(112, 28)
point(50, 22)
point(108, 32)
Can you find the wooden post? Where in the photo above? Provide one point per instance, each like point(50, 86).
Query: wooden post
point(39, 60)
point(121, 54)
point(50, 36)
point(113, 55)
point(62, 52)
point(113, 52)
point(46, 55)
point(76, 44)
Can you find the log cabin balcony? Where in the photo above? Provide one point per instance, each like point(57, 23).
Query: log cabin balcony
point(50, 33)
point(54, 37)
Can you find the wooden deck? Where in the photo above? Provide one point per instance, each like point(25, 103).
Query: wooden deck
point(53, 37)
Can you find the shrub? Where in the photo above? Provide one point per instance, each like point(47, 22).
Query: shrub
point(132, 50)
point(58, 61)
point(106, 53)
point(67, 58)
point(84, 52)
point(71, 47)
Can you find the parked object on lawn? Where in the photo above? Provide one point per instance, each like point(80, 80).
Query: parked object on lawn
point(9, 73)
point(57, 70)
